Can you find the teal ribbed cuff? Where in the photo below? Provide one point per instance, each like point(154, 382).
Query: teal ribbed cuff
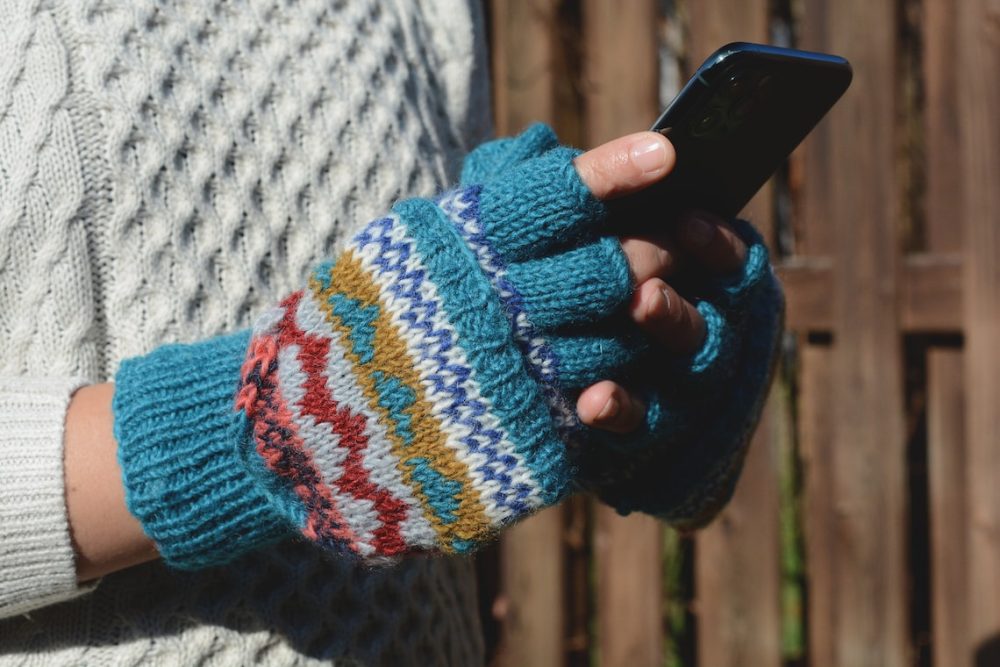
point(178, 435)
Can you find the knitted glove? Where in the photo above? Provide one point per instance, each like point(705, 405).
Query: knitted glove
point(682, 464)
point(416, 395)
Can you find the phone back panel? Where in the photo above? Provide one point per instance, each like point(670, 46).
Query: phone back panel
point(739, 117)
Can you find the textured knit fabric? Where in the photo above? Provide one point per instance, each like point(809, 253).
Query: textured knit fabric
point(683, 464)
point(167, 171)
point(406, 400)
point(417, 394)
point(31, 493)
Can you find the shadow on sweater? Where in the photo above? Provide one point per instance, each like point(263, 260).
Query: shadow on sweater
point(288, 605)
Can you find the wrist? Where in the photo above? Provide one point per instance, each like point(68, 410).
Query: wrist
point(105, 536)
point(180, 439)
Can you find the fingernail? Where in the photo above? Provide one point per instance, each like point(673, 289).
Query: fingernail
point(697, 232)
point(650, 155)
point(666, 303)
point(609, 411)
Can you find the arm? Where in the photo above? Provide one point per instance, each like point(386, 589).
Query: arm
point(106, 537)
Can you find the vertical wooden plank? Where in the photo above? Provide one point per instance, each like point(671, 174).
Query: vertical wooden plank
point(941, 131)
point(814, 231)
point(715, 24)
point(737, 585)
point(737, 568)
point(813, 228)
point(522, 61)
point(869, 464)
point(948, 513)
point(531, 552)
point(946, 444)
point(978, 104)
point(621, 75)
point(621, 79)
point(816, 446)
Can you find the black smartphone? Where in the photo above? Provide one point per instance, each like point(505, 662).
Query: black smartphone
point(739, 117)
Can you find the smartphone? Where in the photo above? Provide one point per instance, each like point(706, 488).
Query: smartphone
point(739, 117)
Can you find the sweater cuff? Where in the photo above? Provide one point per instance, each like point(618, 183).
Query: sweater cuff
point(178, 438)
point(37, 564)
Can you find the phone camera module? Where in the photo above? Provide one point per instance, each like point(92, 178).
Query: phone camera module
point(706, 123)
point(736, 86)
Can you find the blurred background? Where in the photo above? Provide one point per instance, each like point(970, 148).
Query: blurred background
point(866, 528)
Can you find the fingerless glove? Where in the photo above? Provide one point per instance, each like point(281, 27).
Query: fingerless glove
point(418, 393)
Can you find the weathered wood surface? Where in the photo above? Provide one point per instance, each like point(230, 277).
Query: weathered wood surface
point(860, 201)
point(815, 429)
point(948, 511)
point(929, 293)
point(978, 82)
point(853, 296)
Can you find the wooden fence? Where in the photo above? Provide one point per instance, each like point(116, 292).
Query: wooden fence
point(866, 528)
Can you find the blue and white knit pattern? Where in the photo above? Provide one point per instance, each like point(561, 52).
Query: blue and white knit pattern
point(462, 208)
point(497, 470)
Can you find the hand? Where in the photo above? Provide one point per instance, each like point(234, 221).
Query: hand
point(621, 167)
point(417, 393)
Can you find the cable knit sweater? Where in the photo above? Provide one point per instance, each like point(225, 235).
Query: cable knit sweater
point(167, 169)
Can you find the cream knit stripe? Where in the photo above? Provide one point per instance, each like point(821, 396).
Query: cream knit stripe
point(36, 556)
point(378, 458)
point(420, 332)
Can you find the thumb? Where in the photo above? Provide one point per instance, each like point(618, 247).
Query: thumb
point(626, 164)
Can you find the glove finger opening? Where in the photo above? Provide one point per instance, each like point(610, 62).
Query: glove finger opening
point(579, 286)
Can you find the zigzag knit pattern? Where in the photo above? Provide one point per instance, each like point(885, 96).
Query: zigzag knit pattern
point(410, 398)
point(365, 402)
point(417, 394)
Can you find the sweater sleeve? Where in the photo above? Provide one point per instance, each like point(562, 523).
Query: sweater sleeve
point(37, 565)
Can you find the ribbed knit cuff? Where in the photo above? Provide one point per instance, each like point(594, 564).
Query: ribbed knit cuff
point(178, 435)
point(37, 566)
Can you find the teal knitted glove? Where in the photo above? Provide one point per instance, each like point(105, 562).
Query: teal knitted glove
point(407, 398)
point(418, 393)
point(683, 463)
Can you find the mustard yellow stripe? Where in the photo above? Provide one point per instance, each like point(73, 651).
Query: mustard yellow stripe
point(348, 277)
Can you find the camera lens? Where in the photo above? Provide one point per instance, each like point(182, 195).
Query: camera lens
point(736, 85)
point(705, 123)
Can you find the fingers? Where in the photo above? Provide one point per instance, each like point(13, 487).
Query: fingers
point(711, 242)
point(626, 165)
point(706, 240)
point(649, 257)
point(610, 407)
point(667, 318)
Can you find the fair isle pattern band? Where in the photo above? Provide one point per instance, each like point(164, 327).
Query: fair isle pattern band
point(462, 208)
point(370, 418)
point(497, 468)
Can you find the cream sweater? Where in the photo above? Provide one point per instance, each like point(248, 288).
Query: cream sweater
point(167, 169)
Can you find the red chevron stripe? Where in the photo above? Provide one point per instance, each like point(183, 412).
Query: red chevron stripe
point(319, 404)
point(282, 449)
